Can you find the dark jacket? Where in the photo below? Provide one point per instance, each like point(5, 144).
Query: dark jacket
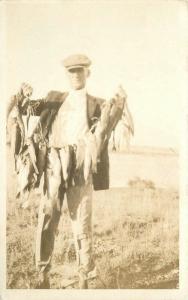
point(48, 108)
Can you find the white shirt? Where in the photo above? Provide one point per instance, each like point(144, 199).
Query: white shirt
point(71, 122)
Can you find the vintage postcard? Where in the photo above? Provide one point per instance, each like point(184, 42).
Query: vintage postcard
point(94, 149)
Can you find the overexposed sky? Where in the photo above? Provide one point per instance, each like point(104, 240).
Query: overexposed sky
point(139, 44)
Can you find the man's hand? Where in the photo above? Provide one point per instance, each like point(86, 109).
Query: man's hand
point(26, 90)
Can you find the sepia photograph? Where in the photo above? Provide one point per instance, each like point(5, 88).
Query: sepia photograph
point(95, 100)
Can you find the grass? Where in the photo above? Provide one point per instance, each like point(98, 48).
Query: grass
point(135, 240)
point(141, 239)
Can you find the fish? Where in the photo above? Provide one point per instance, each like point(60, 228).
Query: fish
point(110, 115)
point(100, 136)
point(65, 157)
point(92, 147)
point(117, 105)
point(17, 134)
point(26, 178)
point(23, 175)
point(32, 154)
point(21, 126)
point(102, 126)
point(80, 151)
point(128, 120)
point(104, 120)
point(87, 163)
point(15, 140)
point(114, 117)
point(90, 155)
point(41, 161)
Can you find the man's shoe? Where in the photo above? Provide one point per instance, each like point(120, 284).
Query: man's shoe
point(83, 283)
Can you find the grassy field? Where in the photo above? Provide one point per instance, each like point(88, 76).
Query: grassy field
point(135, 234)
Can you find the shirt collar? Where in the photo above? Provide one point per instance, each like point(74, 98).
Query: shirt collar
point(78, 93)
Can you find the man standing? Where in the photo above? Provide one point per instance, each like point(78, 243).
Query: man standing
point(69, 125)
point(65, 120)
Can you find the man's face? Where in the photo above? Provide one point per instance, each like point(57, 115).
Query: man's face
point(77, 77)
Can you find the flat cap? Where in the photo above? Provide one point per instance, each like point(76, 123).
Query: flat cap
point(76, 61)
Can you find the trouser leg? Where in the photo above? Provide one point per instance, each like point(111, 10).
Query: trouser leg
point(49, 212)
point(79, 200)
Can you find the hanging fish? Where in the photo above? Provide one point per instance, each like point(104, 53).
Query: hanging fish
point(87, 163)
point(114, 117)
point(101, 127)
point(23, 174)
point(127, 119)
point(92, 147)
point(27, 172)
point(104, 120)
point(26, 178)
point(32, 154)
point(16, 117)
point(15, 142)
point(20, 123)
point(41, 161)
point(65, 157)
point(80, 151)
point(100, 136)
point(90, 155)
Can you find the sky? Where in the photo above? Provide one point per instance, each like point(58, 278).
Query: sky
point(139, 44)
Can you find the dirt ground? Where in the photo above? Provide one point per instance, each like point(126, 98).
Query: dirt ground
point(135, 229)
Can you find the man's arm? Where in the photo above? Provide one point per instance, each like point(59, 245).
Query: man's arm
point(22, 103)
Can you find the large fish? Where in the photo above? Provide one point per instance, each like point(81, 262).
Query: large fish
point(80, 153)
point(17, 131)
point(104, 120)
point(100, 135)
point(114, 117)
point(87, 163)
point(101, 127)
point(23, 175)
point(125, 115)
point(32, 154)
point(41, 160)
point(20, 123)
point(15, 142)
point(66, 162)
point(110, 115)
point(92, 146)
point(26, 178)
point(127, 119)
point(90, 157)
